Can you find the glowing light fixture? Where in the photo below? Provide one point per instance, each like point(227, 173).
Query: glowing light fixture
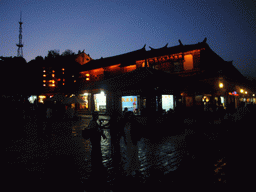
point(253, 95)
point(245, 92)
point(241, 90)
point(220, 85)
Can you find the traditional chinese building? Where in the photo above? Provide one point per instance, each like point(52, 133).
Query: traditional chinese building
point(193, 75)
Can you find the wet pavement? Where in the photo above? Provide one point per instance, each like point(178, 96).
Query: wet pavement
point(62, 159)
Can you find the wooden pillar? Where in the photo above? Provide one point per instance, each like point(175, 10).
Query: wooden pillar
point(151, 103)
point(114, 102)
point(91, 102)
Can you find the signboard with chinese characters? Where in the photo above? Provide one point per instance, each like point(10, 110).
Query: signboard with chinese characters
point(167, 102)
point(130, 102)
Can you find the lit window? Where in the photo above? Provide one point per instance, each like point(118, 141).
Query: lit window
point(53, 81)
point(74, 81)
point(63, 72)
point(87, 79)
point(63, 79)
point(44, 75)
point(53, 75)
point(72, 75)
point(53, 71)
point(53, 85)
point(44, 85)
point(44, 71)
point(87, 74)
point(63, 69)
point(188, 62)
point(44, 81)
point(63, 83)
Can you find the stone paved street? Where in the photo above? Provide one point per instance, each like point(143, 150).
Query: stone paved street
point(34, 159)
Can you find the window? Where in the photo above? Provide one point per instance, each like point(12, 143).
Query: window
point(53, 75)
point(188, 62)
point(177, 67)
point(44, 75)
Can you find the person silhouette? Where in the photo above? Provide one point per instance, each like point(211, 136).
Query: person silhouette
point(116, 132)
point(131, 142)
point(95, 138)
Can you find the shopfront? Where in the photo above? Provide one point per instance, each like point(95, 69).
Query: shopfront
point(130, 102)
point(85, 98)
point(100, 102)
point(167, 102)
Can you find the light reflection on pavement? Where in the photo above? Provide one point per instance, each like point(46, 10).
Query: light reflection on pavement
point(33, 151)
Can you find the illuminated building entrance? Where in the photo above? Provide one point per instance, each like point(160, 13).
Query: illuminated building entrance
point(167, 102)
point(100, 102)
point(84, 97)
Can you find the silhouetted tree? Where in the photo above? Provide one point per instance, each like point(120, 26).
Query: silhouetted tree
point(53, 54)
point(67, 52)
point(14, 77)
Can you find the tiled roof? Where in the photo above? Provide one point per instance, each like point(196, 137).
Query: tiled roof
point(141, 54)
point(118, 59)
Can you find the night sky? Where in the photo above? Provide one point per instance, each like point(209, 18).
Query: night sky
point(105, 28)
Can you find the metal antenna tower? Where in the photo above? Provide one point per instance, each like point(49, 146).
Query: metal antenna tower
point(20, 45)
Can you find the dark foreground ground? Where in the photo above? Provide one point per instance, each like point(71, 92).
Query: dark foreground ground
point(189, 155)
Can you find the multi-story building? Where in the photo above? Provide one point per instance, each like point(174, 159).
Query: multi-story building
point(56, 76)
point(197, 76)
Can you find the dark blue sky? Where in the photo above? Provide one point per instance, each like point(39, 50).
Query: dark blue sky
point(113, 27)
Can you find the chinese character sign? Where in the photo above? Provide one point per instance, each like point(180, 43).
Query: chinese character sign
point(130, 102)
